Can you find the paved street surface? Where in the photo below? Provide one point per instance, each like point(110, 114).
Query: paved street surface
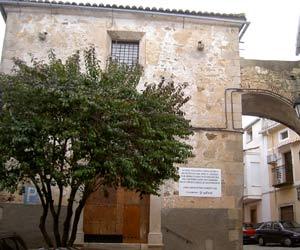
point(269, 247)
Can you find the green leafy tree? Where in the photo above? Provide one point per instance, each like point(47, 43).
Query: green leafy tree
point(63, 126)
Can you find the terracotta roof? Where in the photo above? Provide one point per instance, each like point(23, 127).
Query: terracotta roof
point(240, 17)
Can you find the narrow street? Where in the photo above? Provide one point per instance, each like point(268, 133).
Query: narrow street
point(273, 247)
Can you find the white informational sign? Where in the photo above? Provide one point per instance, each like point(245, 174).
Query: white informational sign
point(200, 182)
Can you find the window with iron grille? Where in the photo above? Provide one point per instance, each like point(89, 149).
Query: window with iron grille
point(125, 52)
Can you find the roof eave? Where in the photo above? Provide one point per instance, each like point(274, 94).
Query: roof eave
point(241, 21)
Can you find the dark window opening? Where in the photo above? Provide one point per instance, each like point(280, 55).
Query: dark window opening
point(125, 52)
point(284, 135)
point(288, 166)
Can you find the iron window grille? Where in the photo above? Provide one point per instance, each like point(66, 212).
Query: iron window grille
point(125, 52)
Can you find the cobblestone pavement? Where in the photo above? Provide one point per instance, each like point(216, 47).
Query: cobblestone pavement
point(270, 247)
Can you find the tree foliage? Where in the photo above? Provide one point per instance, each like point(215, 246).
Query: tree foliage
point(72, 125)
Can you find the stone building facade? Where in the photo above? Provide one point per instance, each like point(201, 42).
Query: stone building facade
point(198, 48)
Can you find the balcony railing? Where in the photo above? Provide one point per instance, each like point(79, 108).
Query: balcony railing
point(272, 159)
point(282, 175)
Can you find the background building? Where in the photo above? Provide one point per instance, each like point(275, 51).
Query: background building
point(284, 170)
point(256, 186)
point(272, 172)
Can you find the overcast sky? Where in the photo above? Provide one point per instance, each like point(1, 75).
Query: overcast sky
point(270, 36)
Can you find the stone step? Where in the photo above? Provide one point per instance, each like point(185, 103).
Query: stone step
point(113, 246)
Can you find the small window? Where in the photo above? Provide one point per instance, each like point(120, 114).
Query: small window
point(125, 52)
point(283, 135)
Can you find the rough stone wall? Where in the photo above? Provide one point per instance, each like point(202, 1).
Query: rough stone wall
point(281, 77)
point(198, 229)
point(208, 223)
point(211, 150)
point(168, 47)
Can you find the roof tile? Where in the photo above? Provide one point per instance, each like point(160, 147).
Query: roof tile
point(140, 8)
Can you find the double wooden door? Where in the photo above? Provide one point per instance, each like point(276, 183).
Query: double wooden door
point(118, 216)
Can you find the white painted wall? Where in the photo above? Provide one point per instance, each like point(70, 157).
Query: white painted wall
point(256, 172)
point(265, 201)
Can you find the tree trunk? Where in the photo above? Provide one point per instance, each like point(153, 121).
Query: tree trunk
point(67, 222)
point(42, 226)
point(42, 192)
point(56, 228)
point(54, 215)
point(89, 188)
point(78, 211)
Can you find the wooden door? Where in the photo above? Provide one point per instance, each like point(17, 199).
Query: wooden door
point(131, 225)
point(122, 216)
point(287, 213)
point(100, 214)
point(253, 216)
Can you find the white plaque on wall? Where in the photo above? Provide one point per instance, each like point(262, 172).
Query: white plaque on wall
point(200, 182)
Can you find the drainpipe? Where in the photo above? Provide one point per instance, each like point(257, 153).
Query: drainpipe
point(243, 30)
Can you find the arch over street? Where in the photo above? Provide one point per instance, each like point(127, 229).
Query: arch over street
point(270, 107)
point(276, 84)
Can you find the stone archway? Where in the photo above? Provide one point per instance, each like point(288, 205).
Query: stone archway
point(271, 107)
point(269, 89)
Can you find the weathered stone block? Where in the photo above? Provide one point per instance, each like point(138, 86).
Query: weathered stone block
point(194, 229)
